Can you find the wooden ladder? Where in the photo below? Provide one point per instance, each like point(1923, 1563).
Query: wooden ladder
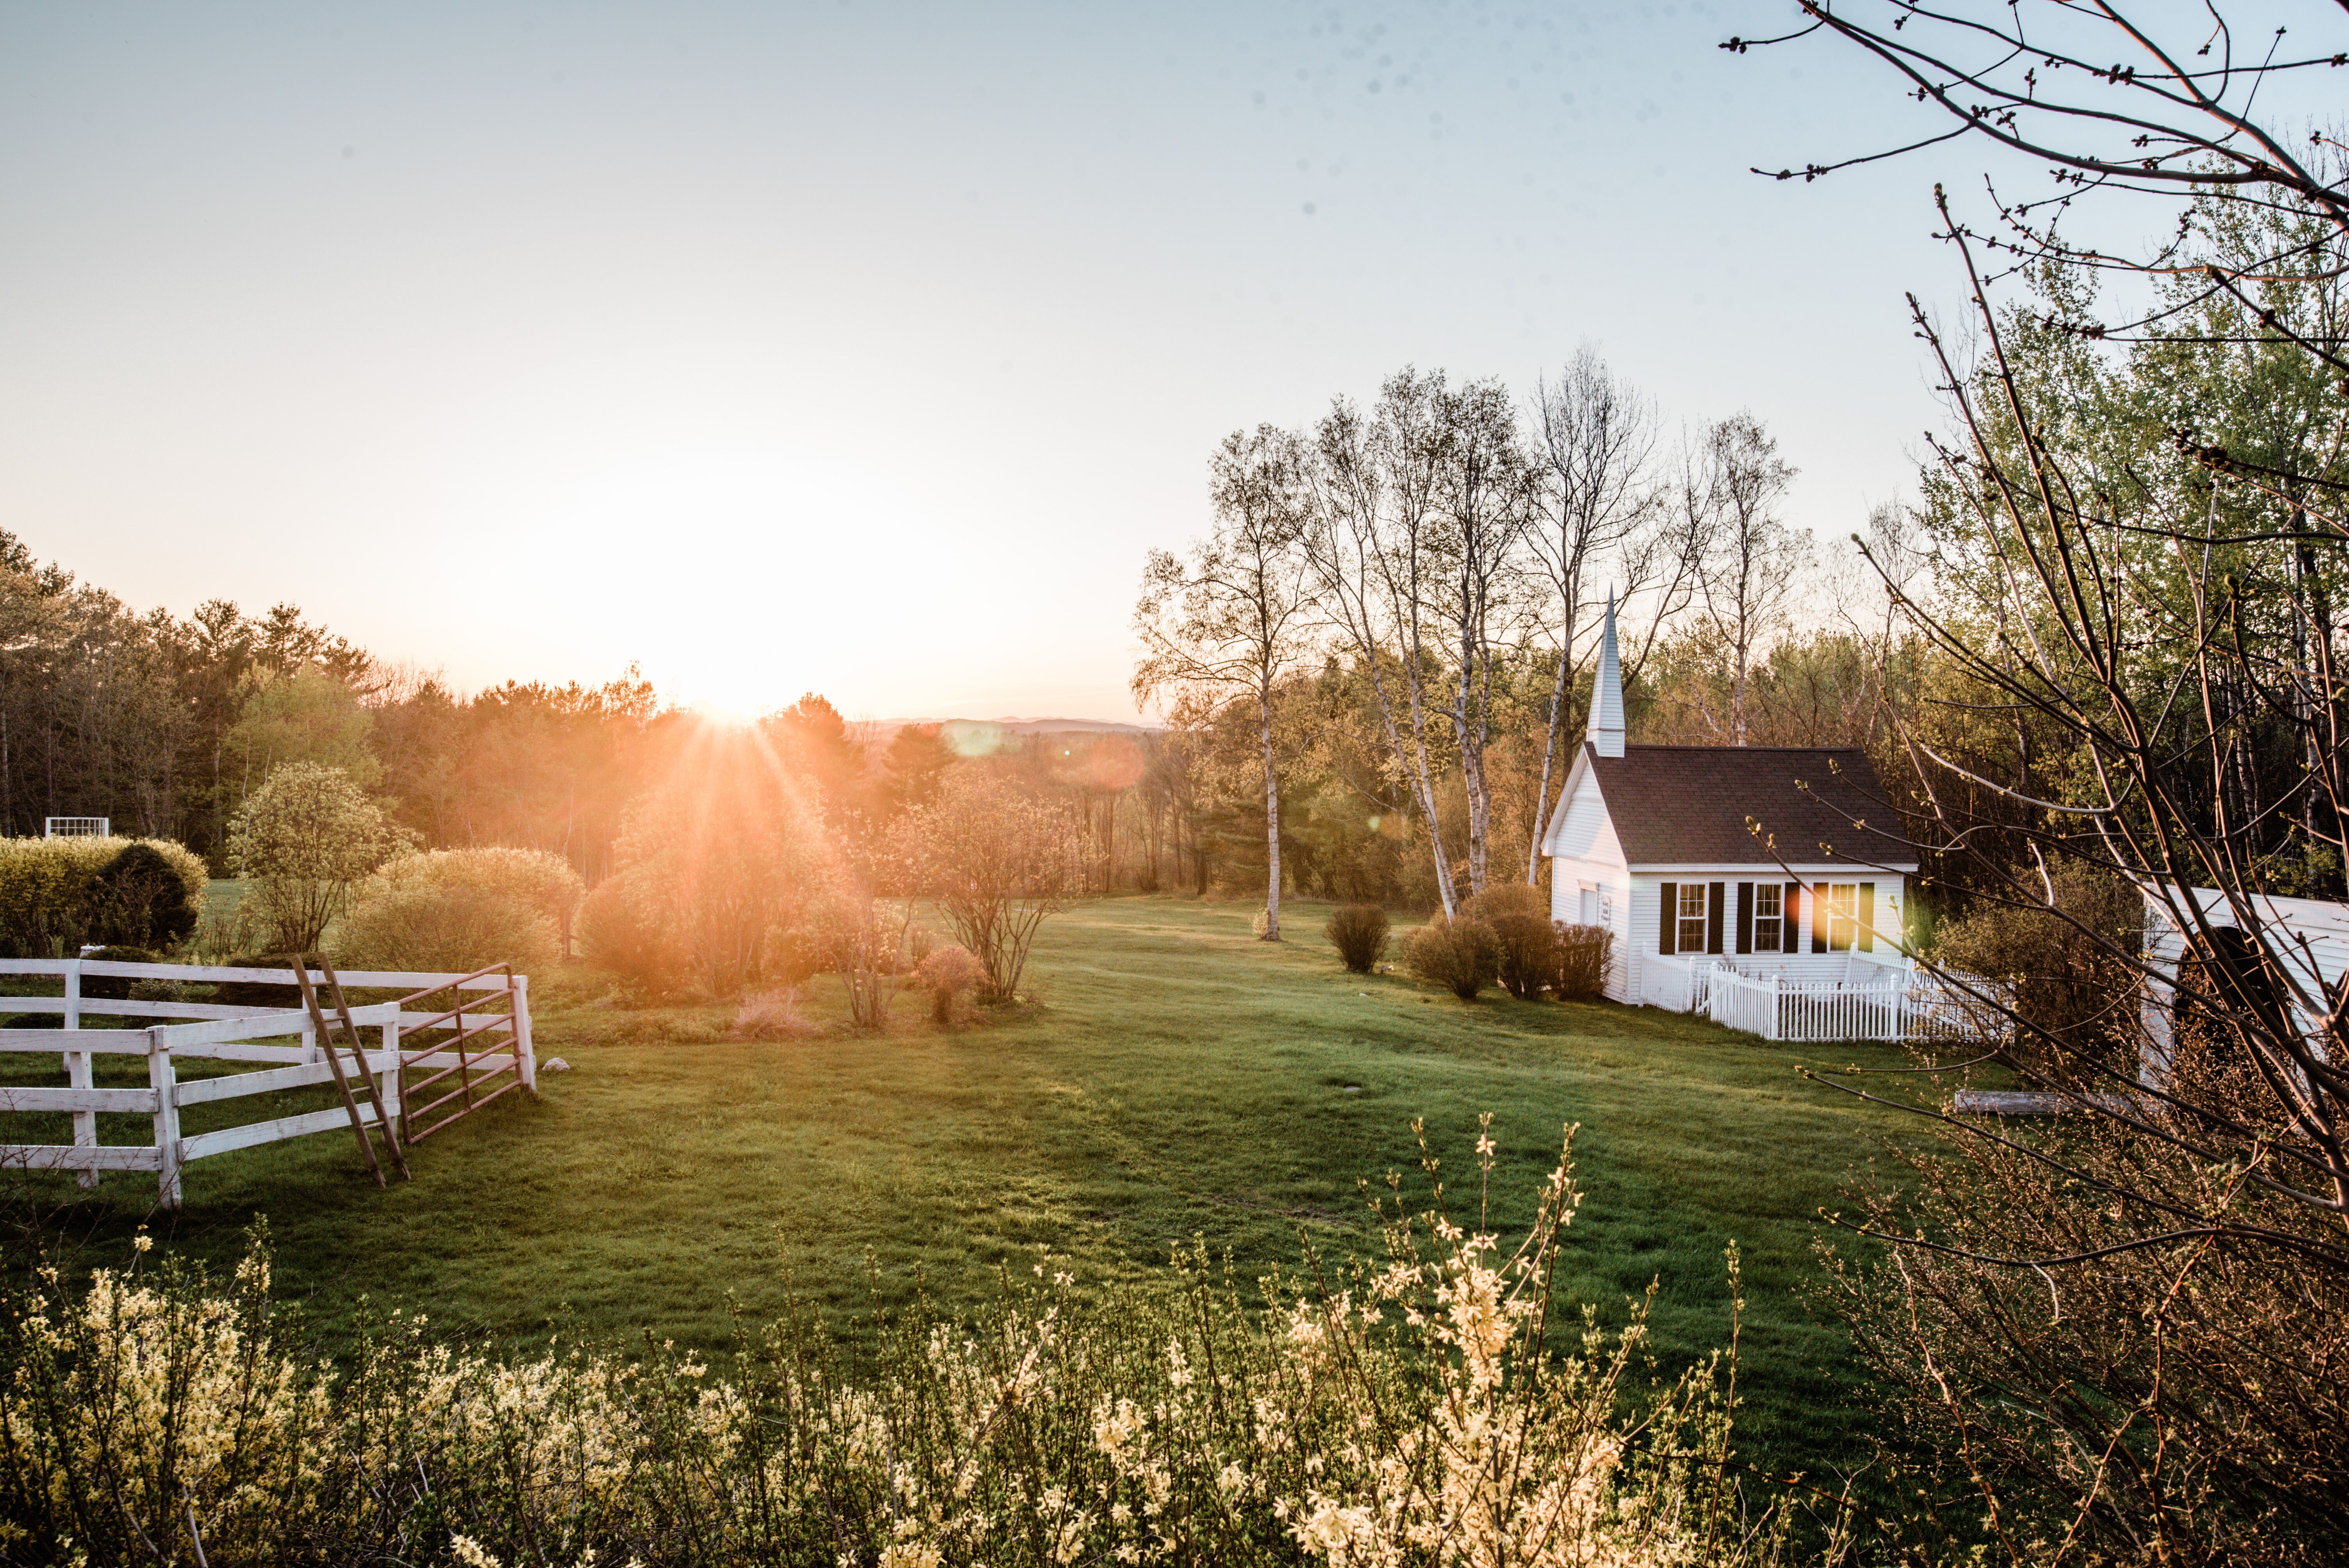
point(342, 1079)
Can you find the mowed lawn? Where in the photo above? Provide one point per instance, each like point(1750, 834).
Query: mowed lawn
point(1181, 1080)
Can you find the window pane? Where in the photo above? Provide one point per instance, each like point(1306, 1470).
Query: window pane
point(1765, 936)
point(1693, 936)
point(1692, 901)
point(1766, 899)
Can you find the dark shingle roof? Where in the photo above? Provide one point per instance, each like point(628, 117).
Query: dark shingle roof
point(1682, 805)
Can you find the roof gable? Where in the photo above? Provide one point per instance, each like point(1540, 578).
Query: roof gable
point(1581, 828)
point(1688, 805)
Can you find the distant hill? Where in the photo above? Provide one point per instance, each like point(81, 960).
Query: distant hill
point(956, 727)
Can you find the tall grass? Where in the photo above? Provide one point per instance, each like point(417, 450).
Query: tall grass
point(1427, 1407)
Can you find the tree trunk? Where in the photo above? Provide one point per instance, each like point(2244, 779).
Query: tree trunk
point(1472, 765)
point(1271, 821)
point(1559, 694)
point(1426, 785)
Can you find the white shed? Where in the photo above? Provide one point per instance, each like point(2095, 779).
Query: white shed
point(2307, 938)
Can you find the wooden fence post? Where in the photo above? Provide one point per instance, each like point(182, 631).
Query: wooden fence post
point(161, 1079)
point(77, 1073)
point(524, 1050)
point(394, 1108)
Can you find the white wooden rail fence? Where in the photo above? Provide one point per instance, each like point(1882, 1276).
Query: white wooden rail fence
point(1873, 1002)
point(224, 1032)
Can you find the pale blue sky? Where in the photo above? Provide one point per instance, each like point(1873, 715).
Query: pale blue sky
point(865, 347)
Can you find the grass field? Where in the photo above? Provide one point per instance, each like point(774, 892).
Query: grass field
point(1182, 1079)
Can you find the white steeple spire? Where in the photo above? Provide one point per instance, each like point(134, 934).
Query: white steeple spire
point(1607, 692)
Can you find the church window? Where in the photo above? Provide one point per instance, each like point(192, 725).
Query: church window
point(1692, 932)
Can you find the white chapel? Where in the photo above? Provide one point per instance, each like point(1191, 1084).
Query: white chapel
point(1654, 844)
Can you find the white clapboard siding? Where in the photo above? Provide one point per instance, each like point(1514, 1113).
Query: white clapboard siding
point(1584, 831)
point(1666, 981)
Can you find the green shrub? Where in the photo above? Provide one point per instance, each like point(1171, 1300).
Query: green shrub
point(444, 930)
point(456, 911)
point(713, 867)
point(2072, 983)
point(1518, 913)
point(543, 883)
point(58, 894)
point(109, 987)
point(1358, 932)
point(1585, 955)
point(145, 898)
point(622, 929)
point(949, 974)
point(1464, 954)
point(772, 1015)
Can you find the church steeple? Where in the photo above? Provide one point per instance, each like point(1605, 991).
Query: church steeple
point(1606, 735)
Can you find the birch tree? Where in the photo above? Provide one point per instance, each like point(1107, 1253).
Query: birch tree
point(1484, 488)
point(1729, 490)
point(1595, 440)
point(1373, 483)
point(1227, 623)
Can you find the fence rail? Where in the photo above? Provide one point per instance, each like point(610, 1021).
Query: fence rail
point(488, 1045)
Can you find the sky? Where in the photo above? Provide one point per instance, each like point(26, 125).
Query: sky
point(865, 347)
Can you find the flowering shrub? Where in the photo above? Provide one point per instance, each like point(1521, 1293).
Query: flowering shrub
point(300, 843)
point(997, 859)
point(1424, 1409)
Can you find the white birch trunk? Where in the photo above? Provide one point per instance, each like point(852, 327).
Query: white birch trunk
point(1271, 821)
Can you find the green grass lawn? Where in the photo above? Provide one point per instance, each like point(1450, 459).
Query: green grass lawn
point(1182, 1079)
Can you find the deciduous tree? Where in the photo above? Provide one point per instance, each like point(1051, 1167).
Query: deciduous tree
point(300, 843)
point(1230, 621)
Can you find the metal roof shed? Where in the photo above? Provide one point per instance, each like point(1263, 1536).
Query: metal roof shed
point(2306, 938)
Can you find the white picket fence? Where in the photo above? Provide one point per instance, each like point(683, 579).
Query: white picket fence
point(1873, 1002)
point(281, 1039)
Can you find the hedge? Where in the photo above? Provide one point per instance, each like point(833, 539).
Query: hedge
point(58, 894)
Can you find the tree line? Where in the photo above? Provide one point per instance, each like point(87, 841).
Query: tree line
point(1389, 629)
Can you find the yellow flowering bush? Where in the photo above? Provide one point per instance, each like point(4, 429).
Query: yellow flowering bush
point(1423, 1409)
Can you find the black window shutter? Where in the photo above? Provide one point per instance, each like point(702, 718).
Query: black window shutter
point(1668, 928)
point(1790, 922)
point(1867, 917)
point(1820, 919)
point(1744, 917)
point(1715, 908)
